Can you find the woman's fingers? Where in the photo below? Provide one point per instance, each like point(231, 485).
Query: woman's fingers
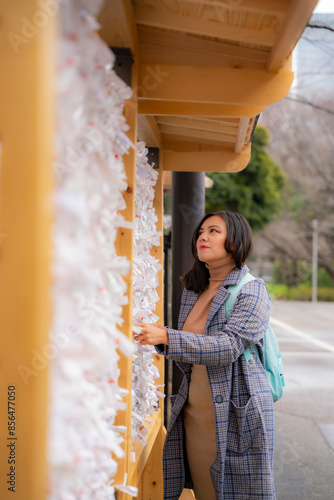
point(150, 334)
point(142, 339)
point(136, 329)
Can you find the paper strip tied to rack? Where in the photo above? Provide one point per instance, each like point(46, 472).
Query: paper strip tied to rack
point(145, 393)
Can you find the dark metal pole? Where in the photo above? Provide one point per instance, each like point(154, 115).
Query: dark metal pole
point(188, 198)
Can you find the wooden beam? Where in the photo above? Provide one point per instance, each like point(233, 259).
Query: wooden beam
point(148, 131)
point(187, 144)
point(27, 138)
point(167, 179)
point(174, 108)
point(152, 481)
point(156, 54)
point(265, 7)
point(296, 19)
point(250, 129)
point(158, 253)
point(212, 85)
point(193, 123)
point(224, 120)
point(118, 27)
point(186, 41)
point(206, 162)
point(142, 452)
point(163, 19)
point(160, 46)
point(198, 134)
point(209, 143)
point(242, 133)
point(124, 247)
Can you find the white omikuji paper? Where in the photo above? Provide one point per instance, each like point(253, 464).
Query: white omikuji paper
point(145, 394)
point(88, 291)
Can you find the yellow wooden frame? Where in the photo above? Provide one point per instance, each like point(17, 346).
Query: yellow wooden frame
point(145, 471)
point(27, 53)
point(26, 133)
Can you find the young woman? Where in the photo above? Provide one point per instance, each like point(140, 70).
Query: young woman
point(221, 432)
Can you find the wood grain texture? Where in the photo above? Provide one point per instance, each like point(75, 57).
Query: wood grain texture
point(26, 134)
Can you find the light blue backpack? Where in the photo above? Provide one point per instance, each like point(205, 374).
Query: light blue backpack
point(273, 363)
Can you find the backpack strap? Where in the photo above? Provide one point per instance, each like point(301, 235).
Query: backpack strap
point(229, 304)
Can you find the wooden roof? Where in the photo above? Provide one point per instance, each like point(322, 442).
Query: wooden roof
point(204, 70)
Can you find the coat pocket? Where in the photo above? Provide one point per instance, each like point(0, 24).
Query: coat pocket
point(245, 427)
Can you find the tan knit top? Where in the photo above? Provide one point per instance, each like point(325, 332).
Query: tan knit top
point(199, 417)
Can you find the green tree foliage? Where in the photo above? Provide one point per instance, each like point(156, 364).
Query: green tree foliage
point(255, 192)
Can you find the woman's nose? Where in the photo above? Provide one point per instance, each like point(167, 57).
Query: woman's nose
point(202, 237)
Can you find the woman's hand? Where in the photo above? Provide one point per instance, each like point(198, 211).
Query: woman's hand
point(151, 334)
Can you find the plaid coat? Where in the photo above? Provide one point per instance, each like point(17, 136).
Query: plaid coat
point(244, 415)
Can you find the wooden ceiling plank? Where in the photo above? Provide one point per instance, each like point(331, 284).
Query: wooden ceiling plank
point(209, 142)
point(200, 134)
point(171, 143)
point(297, 17)
point(167, 20)
point(250, 129)
point(212, 84)
point(191, 123)
point(241, 137)
point(231, 122)
point(148, 131)
point(205, 161)
point(153, 54)
point(170, 108)
point(118, 26)
point(268, 7)
point(224, 120)
point(183, 41)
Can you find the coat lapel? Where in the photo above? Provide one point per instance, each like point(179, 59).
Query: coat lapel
point(188, 300)
point(189, 297)
point(218, 300)
point(223, 294)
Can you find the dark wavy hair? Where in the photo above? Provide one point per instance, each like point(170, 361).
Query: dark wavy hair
point(238, 242)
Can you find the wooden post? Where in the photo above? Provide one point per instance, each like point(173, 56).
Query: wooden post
point(158, 253)
point(152, 482)
point(27, 55)
point(124, 247)
point(152, 479)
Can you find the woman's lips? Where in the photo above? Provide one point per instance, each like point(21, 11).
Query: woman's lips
point(202, 247)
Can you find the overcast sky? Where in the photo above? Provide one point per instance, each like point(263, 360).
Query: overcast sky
point(325, 6)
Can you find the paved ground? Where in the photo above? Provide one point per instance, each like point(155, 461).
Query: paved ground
point(304, 457)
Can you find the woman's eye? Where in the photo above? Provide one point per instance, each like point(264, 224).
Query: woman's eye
point(213, 230)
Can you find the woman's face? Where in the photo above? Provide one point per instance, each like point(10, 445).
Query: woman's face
point(210, 243)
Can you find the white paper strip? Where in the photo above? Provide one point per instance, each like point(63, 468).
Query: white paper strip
point(88, 289)
point(145, 281)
